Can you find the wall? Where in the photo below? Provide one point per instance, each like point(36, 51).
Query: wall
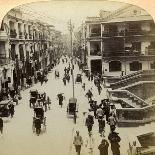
point(143, 91)
point(145, 26)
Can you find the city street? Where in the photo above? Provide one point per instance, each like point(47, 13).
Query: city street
point(18, 137)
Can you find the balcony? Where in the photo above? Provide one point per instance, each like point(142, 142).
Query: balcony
point(26, 35)
point(120, 53)
point(95, 34)
point(95, 53)
point(30, 36)
point(20, 35)
point(4, 61)
point(127, 33)
point(13, 34)
point(151, 51)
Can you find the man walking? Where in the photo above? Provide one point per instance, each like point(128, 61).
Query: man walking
point(103, 147)
point(1, 125)
point(78, 142)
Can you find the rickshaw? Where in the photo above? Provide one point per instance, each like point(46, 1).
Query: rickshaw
point(72, 108)
point(33, 97)
point(39, 120)
point(4, 108)
point(79, 78)
point(42, 98)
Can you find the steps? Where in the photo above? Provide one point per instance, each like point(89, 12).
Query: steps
point(128, 98)
point(133, 78)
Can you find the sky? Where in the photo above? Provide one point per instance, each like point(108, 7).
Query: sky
point(58, 13)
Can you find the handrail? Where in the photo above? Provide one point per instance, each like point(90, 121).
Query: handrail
point(137, 74)
point(126, 91)
point(136, 83)
point(128, 78)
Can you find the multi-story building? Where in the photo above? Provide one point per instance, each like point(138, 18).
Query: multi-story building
point(26, 44)
point(121, 42)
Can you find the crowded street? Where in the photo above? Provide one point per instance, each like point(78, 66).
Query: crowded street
point(60, 128)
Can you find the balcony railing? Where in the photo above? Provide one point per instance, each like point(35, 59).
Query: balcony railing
point(13, 34)
point(95, 53)
point(151, 51)
point(30, 36)
point(121, 53)
point(95, 34)
point(4, 61)
point(130, 32)
point(20, 35)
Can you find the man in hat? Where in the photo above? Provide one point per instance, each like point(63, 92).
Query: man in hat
point(78, 142)
point(103, 147)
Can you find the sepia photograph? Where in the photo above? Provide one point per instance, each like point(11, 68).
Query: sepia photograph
point(77, 78)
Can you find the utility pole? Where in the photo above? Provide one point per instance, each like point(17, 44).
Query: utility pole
point(70, 27)
point(124, 47)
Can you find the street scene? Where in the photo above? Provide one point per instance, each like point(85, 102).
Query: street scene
point(83, 89)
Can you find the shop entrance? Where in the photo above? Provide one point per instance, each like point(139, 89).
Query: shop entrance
point(96, 66)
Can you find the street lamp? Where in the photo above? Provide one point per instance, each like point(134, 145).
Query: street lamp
point(70, 27)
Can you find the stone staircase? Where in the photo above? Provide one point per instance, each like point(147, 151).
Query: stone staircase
point(134, 110)
point(144, 75)
point(127, 98)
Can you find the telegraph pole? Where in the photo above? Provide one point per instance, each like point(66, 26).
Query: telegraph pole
point(70, 27)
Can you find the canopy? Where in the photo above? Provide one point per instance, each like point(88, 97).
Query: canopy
point(72, 100)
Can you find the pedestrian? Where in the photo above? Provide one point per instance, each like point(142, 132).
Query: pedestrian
point(134, 150)
point(101, 123)
point(64, 81)
point(92, 77)
point(99, 88)
point(84, 86)
point(1, 125)
point(42, 80)
point(11, 109)
point(89, 95)
point(114, 141)
point(78, 142)
point(90, 144)
point(48, 102)
point(103, 147)
point(89, 123)
point(99, 113)
point(60, 98)
point(112, 122)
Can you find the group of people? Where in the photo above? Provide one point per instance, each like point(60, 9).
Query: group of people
point(113, 139)
point(40, 99)
point(66, 77)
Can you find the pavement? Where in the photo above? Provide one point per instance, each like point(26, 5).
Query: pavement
point(19, 139)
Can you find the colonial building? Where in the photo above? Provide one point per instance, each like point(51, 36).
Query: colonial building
point(121, 42)
point(26, 46)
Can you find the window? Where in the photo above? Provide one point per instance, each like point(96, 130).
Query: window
point(114, 66)
point(135, 66)
point(152, 65)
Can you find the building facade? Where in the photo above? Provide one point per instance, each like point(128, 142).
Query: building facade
point(121, 42)
point(28, 46)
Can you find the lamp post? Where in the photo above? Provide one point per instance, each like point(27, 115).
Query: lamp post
point(70, 27)
point(124, 48)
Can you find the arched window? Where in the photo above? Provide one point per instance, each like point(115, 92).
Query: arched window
point(135, 66)
point(115, 66)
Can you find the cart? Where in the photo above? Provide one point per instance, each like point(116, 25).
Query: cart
point(33, 98)
point(79, 78)
point(4, 108)
point(72, 108)
point(39, 121)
